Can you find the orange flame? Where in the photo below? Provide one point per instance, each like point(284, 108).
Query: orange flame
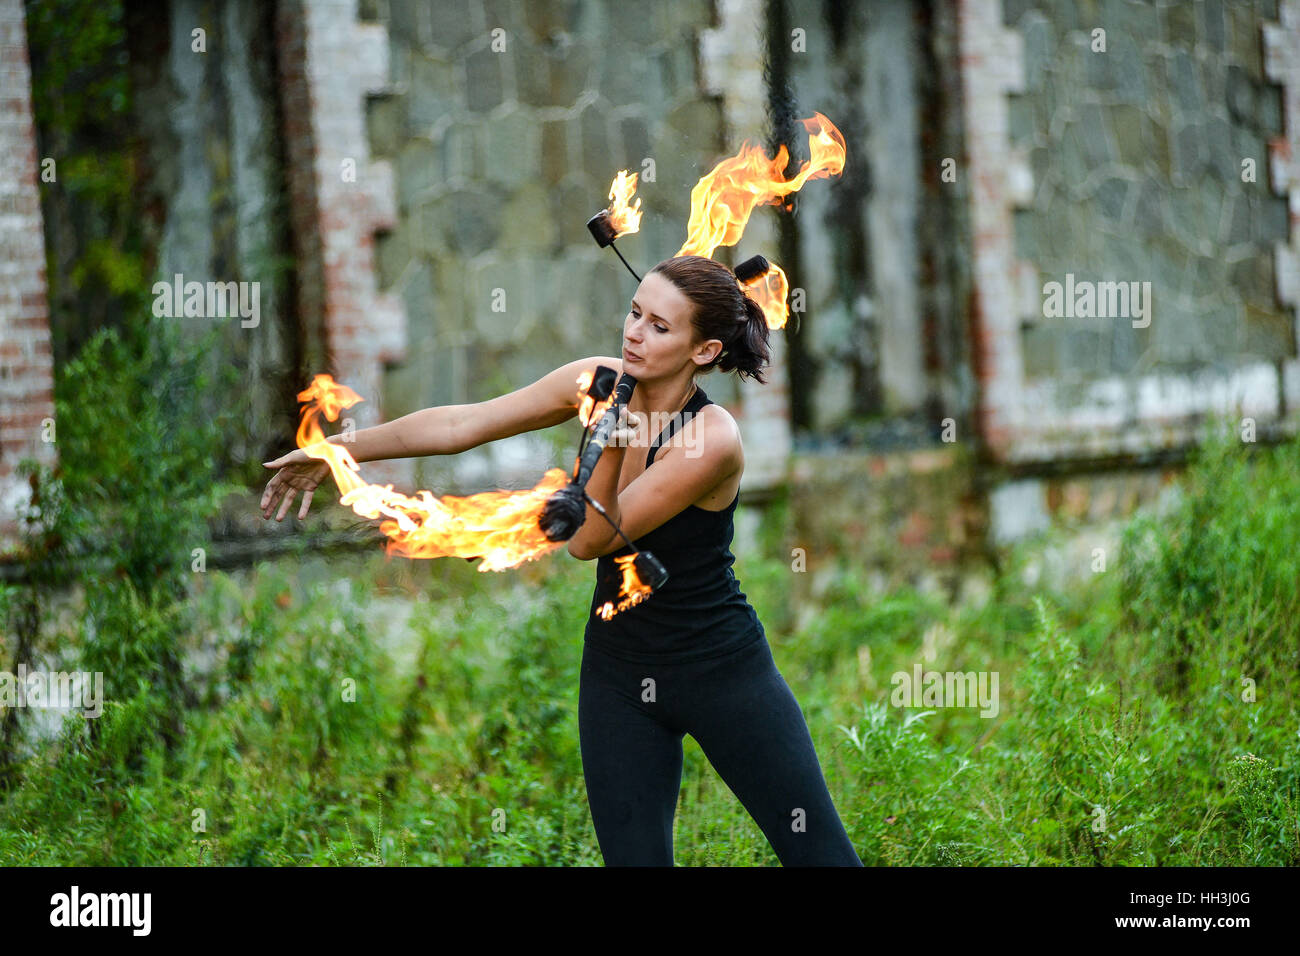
point(499, 526)
point(722, 201)
point(622, 217)
point(769, 290)
point(632, 590)
point(590, 410)
point(502, 527)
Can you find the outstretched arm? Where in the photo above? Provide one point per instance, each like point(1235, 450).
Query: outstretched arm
point(452, 429)
point(441, 430)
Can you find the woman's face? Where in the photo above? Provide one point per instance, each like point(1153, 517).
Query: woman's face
point(658, 336)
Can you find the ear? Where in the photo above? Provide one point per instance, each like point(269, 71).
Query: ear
point(708, 351)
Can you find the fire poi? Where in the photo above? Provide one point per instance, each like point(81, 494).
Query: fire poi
point(507, 528)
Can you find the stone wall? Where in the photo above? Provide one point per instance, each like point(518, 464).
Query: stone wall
point(880, 354)
point(177, 172)
point(212, 195)
point(934, 518)
point(1140, 149)
point(441, 158)
point(1124, 164)
point(500, 157)
point(906, 514)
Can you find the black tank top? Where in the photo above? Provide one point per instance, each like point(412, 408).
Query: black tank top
point(701, 611)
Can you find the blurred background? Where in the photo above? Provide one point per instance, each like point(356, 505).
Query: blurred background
point(396, 193)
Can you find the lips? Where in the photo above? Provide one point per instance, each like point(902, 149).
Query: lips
point(631, 355)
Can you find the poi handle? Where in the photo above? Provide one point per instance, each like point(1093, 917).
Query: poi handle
point(604, 428)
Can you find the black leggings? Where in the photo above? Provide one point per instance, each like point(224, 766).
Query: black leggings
point(743, 715)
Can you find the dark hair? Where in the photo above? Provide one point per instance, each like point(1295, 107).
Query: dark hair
point(724, 311)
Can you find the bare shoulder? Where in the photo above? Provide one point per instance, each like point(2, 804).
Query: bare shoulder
point(718, 432)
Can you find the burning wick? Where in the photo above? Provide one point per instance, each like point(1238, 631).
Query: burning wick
point(637, 569)
point(751, 269)
point(722, 201)
point(619, 218)
point(721, 204)
point(603, 232)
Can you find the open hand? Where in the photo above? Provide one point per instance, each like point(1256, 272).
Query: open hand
point(296, 472)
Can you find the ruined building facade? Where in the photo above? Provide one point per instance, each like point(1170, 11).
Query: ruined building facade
point(391, 172)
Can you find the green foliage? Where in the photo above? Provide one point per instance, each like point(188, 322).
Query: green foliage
point(1121, 734)
point(79, 55)
point(138, 453)
point(1268, 812)
point(461, 745)
point(120, 517)
point(909, 806)
point(82, 107)
point(380, 847)
point(1223, 565)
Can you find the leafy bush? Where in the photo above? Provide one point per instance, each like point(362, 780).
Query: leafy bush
point(461, 746)
point(1224, 564)
point(138, 457)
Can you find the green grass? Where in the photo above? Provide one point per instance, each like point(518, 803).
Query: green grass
point(1125, 735)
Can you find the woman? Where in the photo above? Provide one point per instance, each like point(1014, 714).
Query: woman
point(692, 658)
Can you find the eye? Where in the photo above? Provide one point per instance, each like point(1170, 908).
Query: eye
point(636, 314)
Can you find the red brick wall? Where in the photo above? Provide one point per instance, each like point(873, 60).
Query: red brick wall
point(328, 63)
point(991, 67)
point(26, 367)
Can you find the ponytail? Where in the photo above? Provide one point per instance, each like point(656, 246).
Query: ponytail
point(748, 352)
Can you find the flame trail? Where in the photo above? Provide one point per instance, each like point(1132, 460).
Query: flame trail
point(723, 200)
point(499, 526)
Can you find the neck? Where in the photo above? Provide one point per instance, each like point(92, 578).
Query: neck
point(662, 395)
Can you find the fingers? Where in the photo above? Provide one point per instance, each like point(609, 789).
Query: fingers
point(626, 431)
point(270, 500)
point(284, 487)
point(618, 434)
point(286, 503)
point(270, 496)
point(275, 495)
